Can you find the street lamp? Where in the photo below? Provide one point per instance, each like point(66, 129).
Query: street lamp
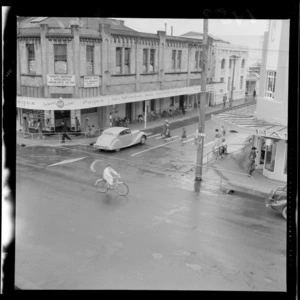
point(234, 58)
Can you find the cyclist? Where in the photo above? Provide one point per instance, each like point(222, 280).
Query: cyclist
point(109, 175)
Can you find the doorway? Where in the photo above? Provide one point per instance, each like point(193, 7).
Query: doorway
point(128, 111)
point(181, 101)
point(262, 152)
point(62, 115)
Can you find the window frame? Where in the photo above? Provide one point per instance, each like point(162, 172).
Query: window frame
point(90, 72)
point(60, 57)
point(118, 60)
point(173, 57)
point(126, 67)
point(152, 60)
point(241, 82)
point(28, 46)
point(223, 64)
point(145, 60)
point(179, 60)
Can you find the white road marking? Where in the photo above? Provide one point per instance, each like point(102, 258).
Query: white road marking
point(66, 161)
point(153, 147)
point(160, 137)
point(93, 163)
point(209, 143)
point(171, 138)
point(188, 140)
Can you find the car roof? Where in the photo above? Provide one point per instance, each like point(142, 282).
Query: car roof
point(115, 130)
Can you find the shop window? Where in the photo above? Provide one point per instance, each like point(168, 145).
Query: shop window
point(152, 60)
point(172, 100)
point(60, 59)
point(33, 116)
point(145, 60)
point(118, 60)
point(270, 84)
point(31, 58)
point(89, 60)
point(271, 146)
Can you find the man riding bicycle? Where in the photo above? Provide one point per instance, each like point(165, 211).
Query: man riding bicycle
point(109, 174)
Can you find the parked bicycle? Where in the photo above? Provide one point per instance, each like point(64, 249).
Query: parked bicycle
point(120, 187)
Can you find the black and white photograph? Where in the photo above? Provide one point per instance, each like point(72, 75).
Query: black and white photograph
point(152, 153)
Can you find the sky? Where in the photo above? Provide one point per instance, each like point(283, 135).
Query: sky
point(216, 27)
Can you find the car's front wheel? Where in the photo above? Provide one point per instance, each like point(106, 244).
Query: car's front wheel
point(284, 212)
point(143, 140)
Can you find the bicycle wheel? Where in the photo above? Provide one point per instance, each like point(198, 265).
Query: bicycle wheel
point(101, 185)
point(122, 189)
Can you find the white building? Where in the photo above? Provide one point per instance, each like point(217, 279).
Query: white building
point(229, 64)
point(269, 123)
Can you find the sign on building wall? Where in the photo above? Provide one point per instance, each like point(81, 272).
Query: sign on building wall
point(60, 67)
point(60, 80)
point(91, 81)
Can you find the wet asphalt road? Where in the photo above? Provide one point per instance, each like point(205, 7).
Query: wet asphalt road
point(167, 233)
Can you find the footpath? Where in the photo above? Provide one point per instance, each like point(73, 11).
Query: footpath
point(229, 172)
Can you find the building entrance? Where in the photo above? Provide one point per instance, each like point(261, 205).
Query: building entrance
point(62, 115)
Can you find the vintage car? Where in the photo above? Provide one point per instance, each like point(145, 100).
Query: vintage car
point(115, 138)
point(277, 200)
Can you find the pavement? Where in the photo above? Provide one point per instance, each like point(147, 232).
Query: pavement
point(230, 172)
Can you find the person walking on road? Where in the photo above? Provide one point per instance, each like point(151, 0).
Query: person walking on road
point(183, 135)
point(252, 157)
point(40, 129)
point(25, 126)
point(165, 126)
point(64, 131)
point(224, 100)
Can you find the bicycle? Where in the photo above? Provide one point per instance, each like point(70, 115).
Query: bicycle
point(120, 187)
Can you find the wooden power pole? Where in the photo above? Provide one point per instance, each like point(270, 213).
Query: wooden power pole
point(202, 102)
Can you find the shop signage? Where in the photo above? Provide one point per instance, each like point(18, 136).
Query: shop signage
point(82, 103)
point(91, 81)
point(60, 80)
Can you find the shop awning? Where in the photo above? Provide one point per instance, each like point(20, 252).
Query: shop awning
point(251, 125)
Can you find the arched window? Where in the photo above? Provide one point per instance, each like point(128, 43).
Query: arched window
point(243, 63)
point(223, 63)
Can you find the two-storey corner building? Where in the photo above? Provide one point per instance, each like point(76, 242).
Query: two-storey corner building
point(227, 68)
point(96, 68)
point(269, 123)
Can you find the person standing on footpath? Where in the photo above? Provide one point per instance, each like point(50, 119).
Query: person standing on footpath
point(25, 126)
point(252, 157)
point(64, 131)
point(183, 111)
point(254, 94)
point(40, 129)
point(224, 100)
point(77, 124)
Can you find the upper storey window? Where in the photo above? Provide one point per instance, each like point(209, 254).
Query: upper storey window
point(60, 59)
point(31, 58)
point(122, 60)
point(223, 63)
point(176, 60)
point(89, 60)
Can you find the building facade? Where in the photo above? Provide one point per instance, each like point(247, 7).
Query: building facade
point(95, 69)
point(272, 103)
point(227, 68)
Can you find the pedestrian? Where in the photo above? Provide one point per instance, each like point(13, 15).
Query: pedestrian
point(197, 136)
point(252, 157)
point(168, 133)
point(224, 100)
point(40, 129)
point(183, 111)
point(165, 126)
point(254, 94)
point(183, 135)
point(25, 126)
point(77, 124)
point(218, 141)
point(64, 131)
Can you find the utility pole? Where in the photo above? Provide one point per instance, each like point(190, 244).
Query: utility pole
point(202, 102)
point(232, 84)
